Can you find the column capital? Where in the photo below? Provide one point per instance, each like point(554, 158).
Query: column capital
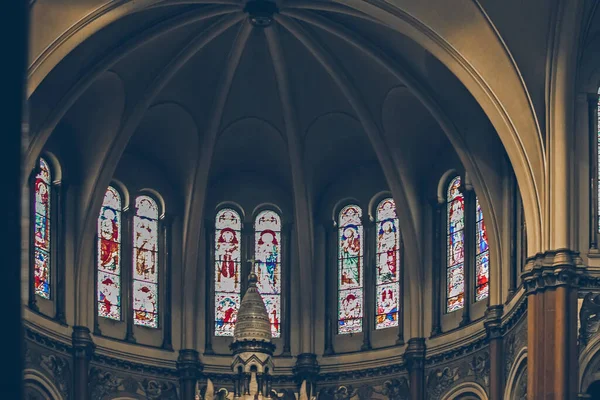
point(83, 345)
point(306, 368)
point(493, 321)
point(188, 364)
point(562, 267)
point(414, 355)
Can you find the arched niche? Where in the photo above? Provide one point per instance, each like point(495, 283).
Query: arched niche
point(38, 387)
point(466, 391)
point(516, 382)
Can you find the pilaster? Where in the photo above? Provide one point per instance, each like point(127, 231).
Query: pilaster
point(83, 349)
point(307, 369)
point(551, 281)
point(189, 369)
point(414, 357)
point(493, 325)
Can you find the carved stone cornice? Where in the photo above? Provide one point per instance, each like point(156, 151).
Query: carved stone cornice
point(493, 321)
point(363, 373)
point(414, 355)
point(129, 366)
point(457, 352)
point(552, 269)
point(189, 365)
point(515, 315)
point(47, 342)
point(83, 345)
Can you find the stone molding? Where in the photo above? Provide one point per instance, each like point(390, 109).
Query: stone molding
point(189, 365)
point(562, 267)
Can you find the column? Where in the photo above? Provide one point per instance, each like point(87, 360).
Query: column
point(32, 298)
point(368, 281)
point(493, 324)
point(286, 294)
point(592, 102)
point(59, 193)
point(209, 320)
point(438, 247)
point(189, 369)
point(83, 349)
point(165, 229)
point(127, 272)
point(550, 281)
point(400, 338)
point(330, 286)
point(307, 369)
point(414, 357)
point(469, 263)
point(514, 234)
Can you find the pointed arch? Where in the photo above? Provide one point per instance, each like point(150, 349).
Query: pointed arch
point(267, 252)
point(455, 240)
point(350, 270)
point(228, 241)
point(145, 261)
point(109, 255)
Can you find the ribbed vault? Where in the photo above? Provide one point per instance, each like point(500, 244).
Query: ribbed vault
point(325, 88)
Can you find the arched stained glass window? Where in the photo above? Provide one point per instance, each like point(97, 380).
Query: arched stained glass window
point(109, 256)
point(455, 272)
point(267, 245)
point(145, 262)
point(482, 260)
point(350, 264)
point(43, 187)
point(228, 227)
point(388, 265)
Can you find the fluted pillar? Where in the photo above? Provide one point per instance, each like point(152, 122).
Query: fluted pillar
point(414, 357)
point(550, 280)
point(189, 368)
point(83, 349)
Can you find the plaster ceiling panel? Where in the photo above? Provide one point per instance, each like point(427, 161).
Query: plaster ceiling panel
point(168, 136)
point(252, 146)
point(90, 53)
point(139, 68)
point(254, 91)
point(370, 79)
point(412, 133)
point(195, 84)
point(314, 92)
point(94, 121)
point(396, 46)
point(332, 144)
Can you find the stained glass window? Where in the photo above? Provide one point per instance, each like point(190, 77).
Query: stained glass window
point(482, 258)
point(109, 256)
point(350, 274)
point(43, 187)
point(145, 262)
point(267, 245)
point(455, 272)
point(388, 266)
point(228, 227)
